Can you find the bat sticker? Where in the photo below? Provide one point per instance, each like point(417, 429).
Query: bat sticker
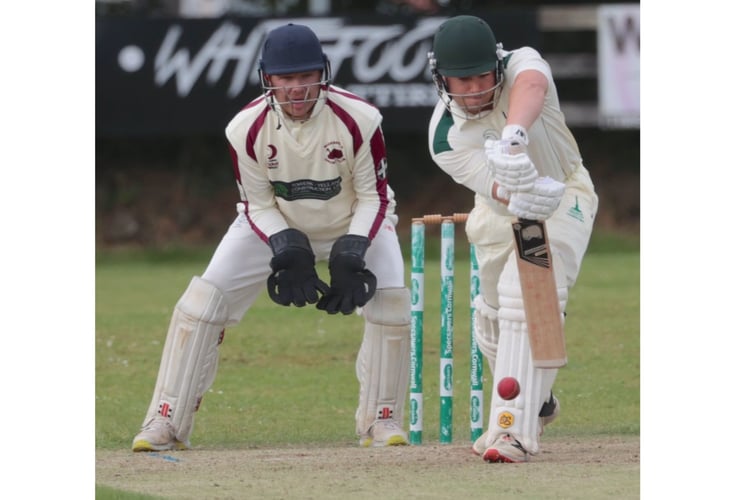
point(531, 242)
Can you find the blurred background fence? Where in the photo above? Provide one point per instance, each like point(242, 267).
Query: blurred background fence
point(171, 74)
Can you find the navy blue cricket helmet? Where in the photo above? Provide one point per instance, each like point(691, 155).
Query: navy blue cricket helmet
point(292, 48)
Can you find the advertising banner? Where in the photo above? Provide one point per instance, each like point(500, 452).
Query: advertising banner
point(619, 65)
point(190, 76)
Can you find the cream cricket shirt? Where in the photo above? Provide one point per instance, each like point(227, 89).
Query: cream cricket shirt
point(326, 176)
point(456, 144)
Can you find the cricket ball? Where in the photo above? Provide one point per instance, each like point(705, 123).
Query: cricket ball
point(508, 388)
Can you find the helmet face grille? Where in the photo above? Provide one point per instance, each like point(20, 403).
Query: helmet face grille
point(292, 49)
point(464, 46)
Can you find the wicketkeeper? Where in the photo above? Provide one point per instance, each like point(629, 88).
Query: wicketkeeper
point(498, 130)
point(310, 165)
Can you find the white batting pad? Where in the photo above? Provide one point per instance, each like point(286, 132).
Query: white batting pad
point(190, 355)
point(519, 416)
point(383, 363)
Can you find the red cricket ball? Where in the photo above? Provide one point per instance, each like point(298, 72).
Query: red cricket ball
point(508, 388)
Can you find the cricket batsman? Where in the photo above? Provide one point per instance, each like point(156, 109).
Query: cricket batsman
point(498, 130)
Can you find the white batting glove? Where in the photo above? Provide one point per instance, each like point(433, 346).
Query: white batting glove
point(540, 202)
point(511, 166)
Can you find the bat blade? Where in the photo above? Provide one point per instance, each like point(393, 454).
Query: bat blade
point(535, 265)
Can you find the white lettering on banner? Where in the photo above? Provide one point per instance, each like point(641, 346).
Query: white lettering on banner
point(376, 52)
point(218, 51)
point(619, 65)
point(405, 95)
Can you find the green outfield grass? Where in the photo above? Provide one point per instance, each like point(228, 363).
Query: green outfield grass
point(286, 375)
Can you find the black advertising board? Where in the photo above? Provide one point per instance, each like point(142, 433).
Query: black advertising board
point(190, 76)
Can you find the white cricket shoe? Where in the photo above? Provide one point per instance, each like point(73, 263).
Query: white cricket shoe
point(479, 445)
point(547, 415)
point(384, 433)
point(505, 449)
point(158, 435)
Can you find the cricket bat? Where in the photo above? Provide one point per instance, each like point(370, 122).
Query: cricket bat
point(544, 324)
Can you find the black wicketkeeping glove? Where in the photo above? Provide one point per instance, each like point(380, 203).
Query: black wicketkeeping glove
point(293, 279)
point(352, 284)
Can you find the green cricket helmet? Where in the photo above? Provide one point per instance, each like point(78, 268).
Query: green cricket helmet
point(465, 46)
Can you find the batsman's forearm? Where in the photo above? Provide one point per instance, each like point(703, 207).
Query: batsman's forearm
point(526, 98)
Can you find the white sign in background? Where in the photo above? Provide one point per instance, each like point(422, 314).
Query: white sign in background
point(619, 65)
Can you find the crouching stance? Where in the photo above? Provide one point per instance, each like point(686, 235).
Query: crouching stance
point(310, 165)
point(498, 129)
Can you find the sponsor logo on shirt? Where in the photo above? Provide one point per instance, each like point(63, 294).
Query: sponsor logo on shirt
point(307, 189)
point(490, 134)
point(575, 211)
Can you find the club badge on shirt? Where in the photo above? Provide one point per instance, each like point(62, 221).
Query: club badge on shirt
point(271, 160)
point(334, 152)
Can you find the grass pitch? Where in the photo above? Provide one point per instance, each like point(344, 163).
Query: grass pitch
point(286, 375)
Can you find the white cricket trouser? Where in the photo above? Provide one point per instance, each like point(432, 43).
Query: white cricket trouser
point(568, 231)
point(240, 264)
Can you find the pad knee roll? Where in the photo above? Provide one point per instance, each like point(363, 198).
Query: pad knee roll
point(511, 306)
point(388, 307)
